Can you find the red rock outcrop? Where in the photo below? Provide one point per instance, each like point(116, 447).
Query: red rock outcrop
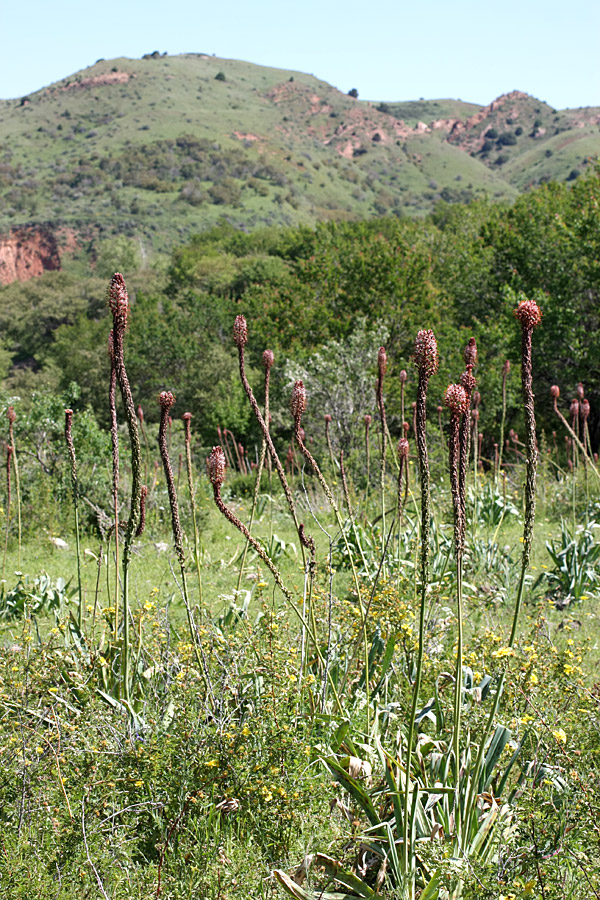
point(29, 251)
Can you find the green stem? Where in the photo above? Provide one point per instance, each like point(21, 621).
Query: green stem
point(421, 434)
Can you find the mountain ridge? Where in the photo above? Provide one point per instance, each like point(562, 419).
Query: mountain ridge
point(159, 148)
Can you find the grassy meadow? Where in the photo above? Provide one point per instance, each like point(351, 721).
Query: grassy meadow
point(393, 693)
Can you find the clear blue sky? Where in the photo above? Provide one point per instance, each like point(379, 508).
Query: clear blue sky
point(468, 49)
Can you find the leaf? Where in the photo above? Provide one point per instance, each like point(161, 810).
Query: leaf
point(343, 876)
point(431, 889)
point(299, 893)
point(354, 789)
point(500, 739)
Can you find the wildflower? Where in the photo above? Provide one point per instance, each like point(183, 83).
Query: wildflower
point(560, 735)
point(240, 331)
point(426, 353)
point(529, 314)
point(455, 399)
point(215, 467)
point(471, 353)
point(118, 300)
point(298, 400)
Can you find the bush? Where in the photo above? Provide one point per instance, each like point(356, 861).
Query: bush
point(220, 76)
point(506, 139)
point(353, 93)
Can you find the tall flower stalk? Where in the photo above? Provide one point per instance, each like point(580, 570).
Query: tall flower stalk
point(240, 336)
point(328, 419)
point(166, 401)
point(118, 301)
point(555, 393)
point(9, 451)
point(187, 419)
point(458, 403)
point(114, 438)
point(12, 416)
point(268, 359)
point(529, 315)
point(505, 374)
point(75, 489)
point(381, 370)
point(367, 420)
point(426, 361)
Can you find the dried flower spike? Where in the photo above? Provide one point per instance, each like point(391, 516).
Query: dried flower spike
point(456, 399)
point(166, 400)
point(555, 391)
point(403, 376)
point(468, 381)
point(216, 466)
point(403, 448)
point(471, 353)
point(529, 314)
point(240, 331)
point(118, 299)
point(268, 358)
point(382, 361)
point(298, 400)
point(426, 353)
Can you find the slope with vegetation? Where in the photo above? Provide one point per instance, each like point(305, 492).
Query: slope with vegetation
point(162, 147)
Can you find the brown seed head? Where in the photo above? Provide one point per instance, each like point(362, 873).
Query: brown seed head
point(240, 331)
point(403, 448)
point(215, 466)
point(456, 399)
point(555, 391)
point(405, 428)
point(367, 420)
point(468, 381)
point(186, 416)
point(574, 408)
point(506, 368)
point(166, 400)
point(476, 399)
point(298, 400)
point(475, 415)
point(426, 353)
point(580, 391)
point(11, 414)
point(268, 358)
point(529, 314)
point(584, 409)
point(471, 353)
point(140, 414)
point(403, 376)
point(118, 300)
point(327, 418)
point(382, 361)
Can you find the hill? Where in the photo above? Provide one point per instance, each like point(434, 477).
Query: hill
point(159, 148)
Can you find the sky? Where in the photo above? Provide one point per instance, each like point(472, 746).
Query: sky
point(387, 50)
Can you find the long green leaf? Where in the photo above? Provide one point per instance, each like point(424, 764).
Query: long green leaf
point(355, 789)
point(343, 876)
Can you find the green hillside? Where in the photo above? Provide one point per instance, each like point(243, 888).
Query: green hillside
point(163, 147)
